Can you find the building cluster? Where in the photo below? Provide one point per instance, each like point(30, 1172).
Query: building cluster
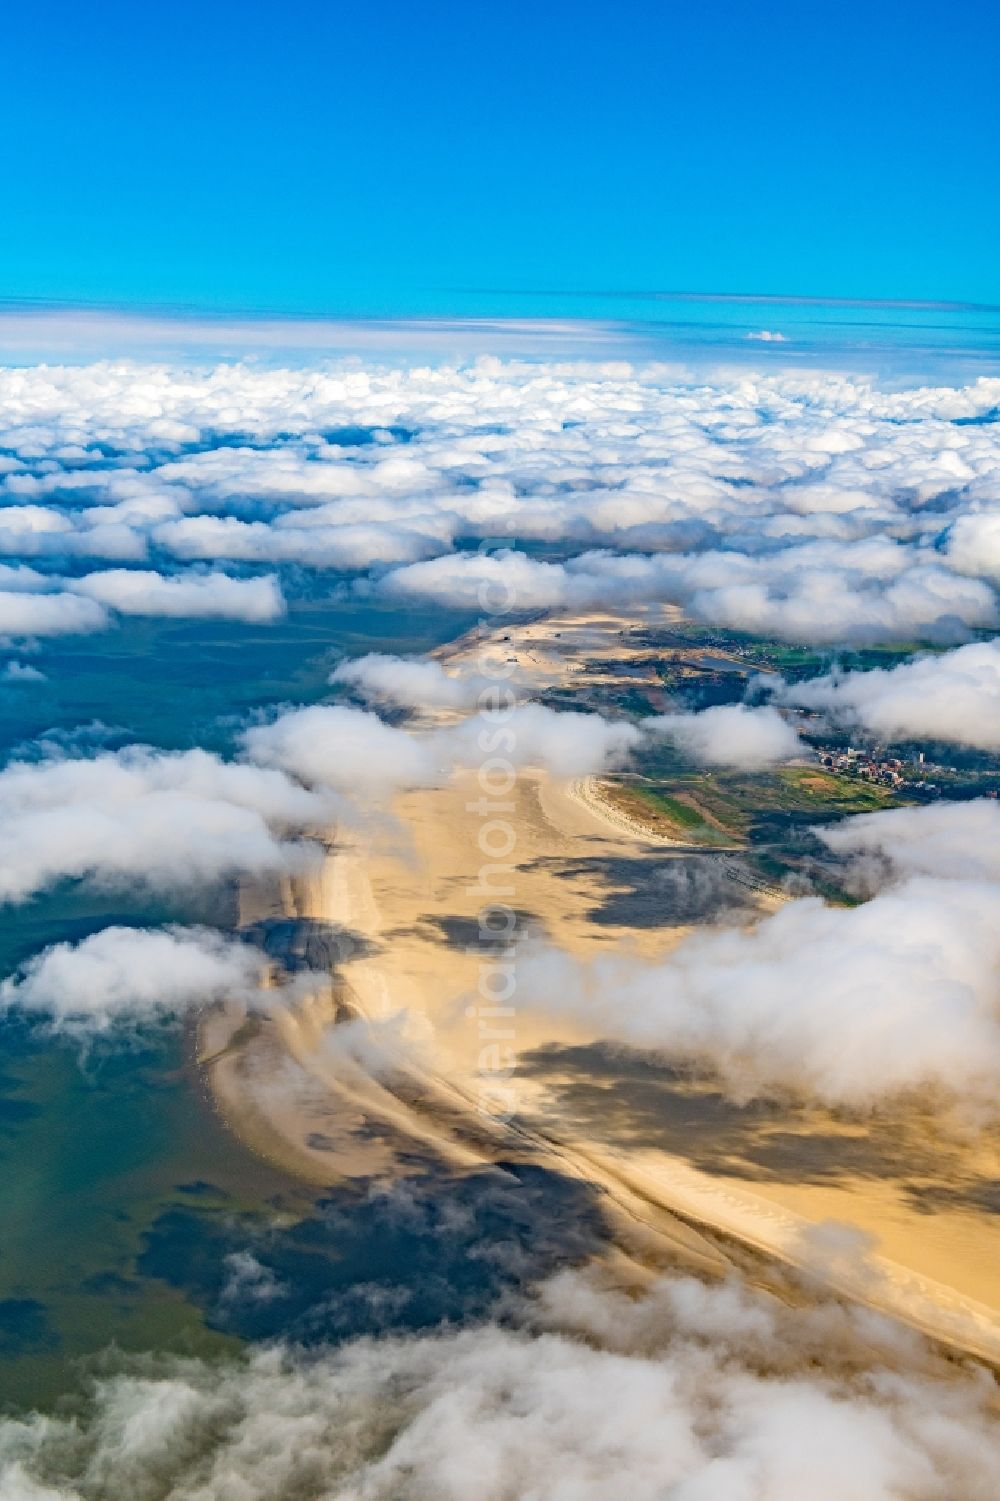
point(875, 766)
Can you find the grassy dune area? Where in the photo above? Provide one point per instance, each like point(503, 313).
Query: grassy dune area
point(768, 815)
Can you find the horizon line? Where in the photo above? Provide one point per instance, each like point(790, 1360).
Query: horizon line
point(186, 309)
point(784, 299)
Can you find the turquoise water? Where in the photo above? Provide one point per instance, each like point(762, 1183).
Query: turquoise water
point(95, 1150)
point(178, 684)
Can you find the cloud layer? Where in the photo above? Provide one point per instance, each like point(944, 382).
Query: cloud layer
point(412, 682)
point(816, 591)
point(170, 819)
point(952, 697)
point(810, 506)
point(36, 604)
point(730, 735)
point(165, 819)
point(693, 1391)
point(848, 1005)
point(354, 751)
point(958, 841)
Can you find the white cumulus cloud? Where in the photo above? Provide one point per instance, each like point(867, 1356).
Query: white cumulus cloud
point(126, 977)
point(730, 735)
point(353, 750)
point(166, 819)
point(207, 596)
point(808, 505)
point(707, 1393)
point(951, 696)
point(414, 682)
point(848, 1005)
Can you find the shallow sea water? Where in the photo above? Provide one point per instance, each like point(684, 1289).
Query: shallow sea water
point(95, 1149)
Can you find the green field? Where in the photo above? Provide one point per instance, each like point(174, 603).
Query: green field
point(769, 817)
point(730, 806)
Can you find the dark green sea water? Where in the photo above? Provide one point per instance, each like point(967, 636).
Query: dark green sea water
point(96, 1151)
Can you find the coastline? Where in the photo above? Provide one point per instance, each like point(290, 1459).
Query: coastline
point(587, 792)
point(311, 1109)
point(329, 1112)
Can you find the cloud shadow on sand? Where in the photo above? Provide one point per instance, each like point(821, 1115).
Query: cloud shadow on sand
point(633, 1100)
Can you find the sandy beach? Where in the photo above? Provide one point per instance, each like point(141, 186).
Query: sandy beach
point(384, 1072)
point(684, 1172)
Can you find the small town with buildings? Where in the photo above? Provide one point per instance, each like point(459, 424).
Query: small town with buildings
point(873, 764)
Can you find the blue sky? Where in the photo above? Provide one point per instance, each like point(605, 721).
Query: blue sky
point(400, 158)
